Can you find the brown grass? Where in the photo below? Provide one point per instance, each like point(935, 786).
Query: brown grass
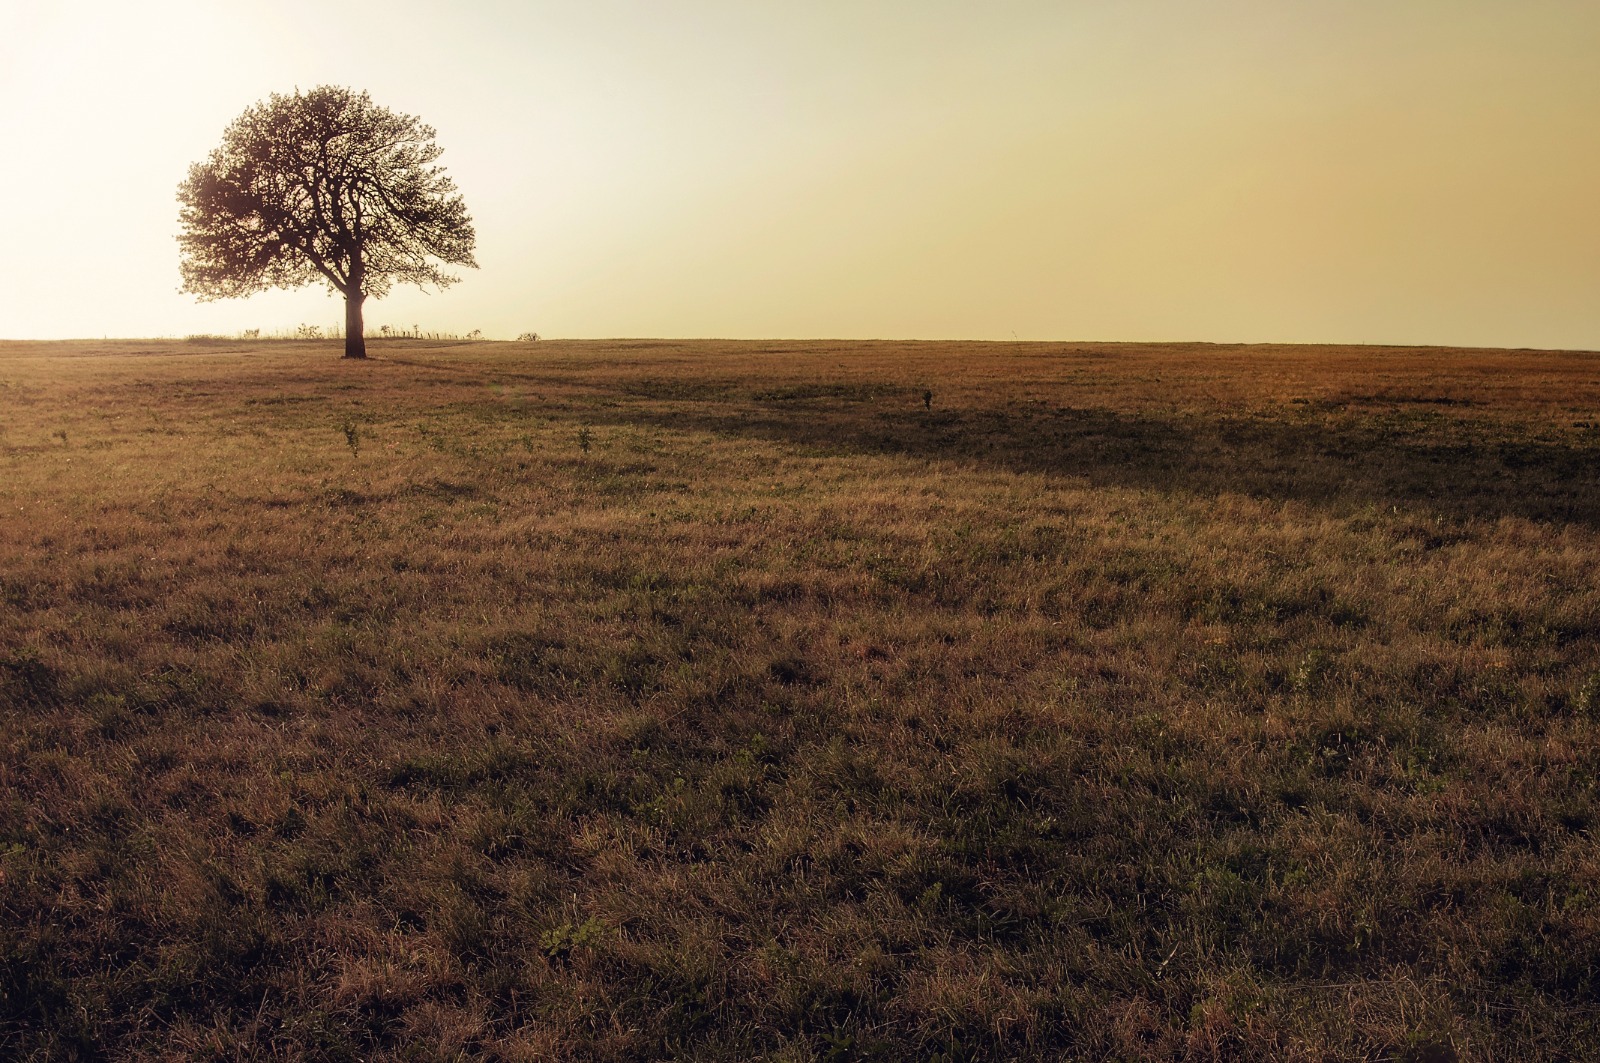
point(624, 700)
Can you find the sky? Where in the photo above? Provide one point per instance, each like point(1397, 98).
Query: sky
point(1342, 171)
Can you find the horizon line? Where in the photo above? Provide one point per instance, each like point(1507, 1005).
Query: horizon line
point(379, 338)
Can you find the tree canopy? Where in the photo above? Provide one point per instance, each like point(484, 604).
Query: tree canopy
point(322, 186)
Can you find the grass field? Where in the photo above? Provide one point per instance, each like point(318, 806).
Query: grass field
point(804, 701)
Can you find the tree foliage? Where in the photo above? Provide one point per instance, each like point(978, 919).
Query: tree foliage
point(322, 186)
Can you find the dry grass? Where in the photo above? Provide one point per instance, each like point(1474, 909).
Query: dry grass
point(729, 700)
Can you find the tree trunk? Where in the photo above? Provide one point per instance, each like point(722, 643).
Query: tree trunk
point(355, 342)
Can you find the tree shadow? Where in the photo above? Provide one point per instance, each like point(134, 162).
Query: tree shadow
point(1385, 456)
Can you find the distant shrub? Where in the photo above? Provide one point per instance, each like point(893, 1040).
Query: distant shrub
point(528, 337)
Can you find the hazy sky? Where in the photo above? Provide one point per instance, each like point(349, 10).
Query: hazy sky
point(1386, 171)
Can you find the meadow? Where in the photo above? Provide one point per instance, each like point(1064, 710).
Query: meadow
point(799, 701)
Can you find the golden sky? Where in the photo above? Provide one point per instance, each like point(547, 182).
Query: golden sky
point(1378, 171)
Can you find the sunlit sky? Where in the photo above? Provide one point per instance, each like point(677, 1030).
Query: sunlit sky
point(1368, 171)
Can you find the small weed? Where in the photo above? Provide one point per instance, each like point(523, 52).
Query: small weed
point(559, 942)
point(30, 679)
point(927, 399)
point(839, 1046)
point(585, 437)
point(352, 436)
point(1420, 1048)
point(1309, 672)
point(1586, 701)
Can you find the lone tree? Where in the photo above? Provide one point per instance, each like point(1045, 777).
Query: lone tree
point(322, 186)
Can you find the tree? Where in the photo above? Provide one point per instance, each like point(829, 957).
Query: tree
point(322, 186)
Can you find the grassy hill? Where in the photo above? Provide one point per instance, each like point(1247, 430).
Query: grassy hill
point(810, 701)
